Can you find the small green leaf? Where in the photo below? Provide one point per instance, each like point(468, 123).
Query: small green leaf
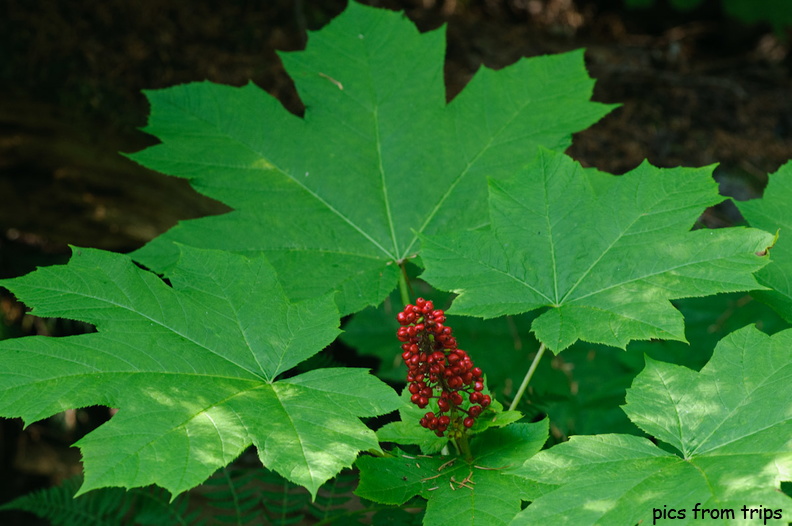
point(731, 427)
point(604, 254)
point(459, 493)
point(408, 431)
point(192, 368)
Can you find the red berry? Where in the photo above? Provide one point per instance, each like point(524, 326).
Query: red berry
point(468, 422)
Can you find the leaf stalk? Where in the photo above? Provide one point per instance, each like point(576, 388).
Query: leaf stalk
point(527, 378)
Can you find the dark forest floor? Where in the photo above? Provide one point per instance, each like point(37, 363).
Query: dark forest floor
point(695, 89)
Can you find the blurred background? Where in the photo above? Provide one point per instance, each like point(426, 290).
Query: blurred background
point(700, 82)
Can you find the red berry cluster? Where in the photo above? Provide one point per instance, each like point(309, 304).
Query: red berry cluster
point(436, 365)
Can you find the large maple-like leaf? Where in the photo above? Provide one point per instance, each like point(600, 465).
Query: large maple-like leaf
point(193, 369)
point(604, 253)
point(336, 197)
point(729, 427)
point(773, 213)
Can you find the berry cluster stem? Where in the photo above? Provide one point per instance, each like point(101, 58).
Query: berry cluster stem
point(462, 444)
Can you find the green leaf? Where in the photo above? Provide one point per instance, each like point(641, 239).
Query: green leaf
point(605, 254)
point(772, 213)
point(192, 368)
point(337, 197)
point(459, 493)
point(730, 426)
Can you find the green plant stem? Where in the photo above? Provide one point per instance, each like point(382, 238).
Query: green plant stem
point(464, 446)
point(527, 378)
point(404, 288)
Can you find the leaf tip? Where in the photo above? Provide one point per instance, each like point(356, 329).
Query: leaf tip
point(766, 250)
